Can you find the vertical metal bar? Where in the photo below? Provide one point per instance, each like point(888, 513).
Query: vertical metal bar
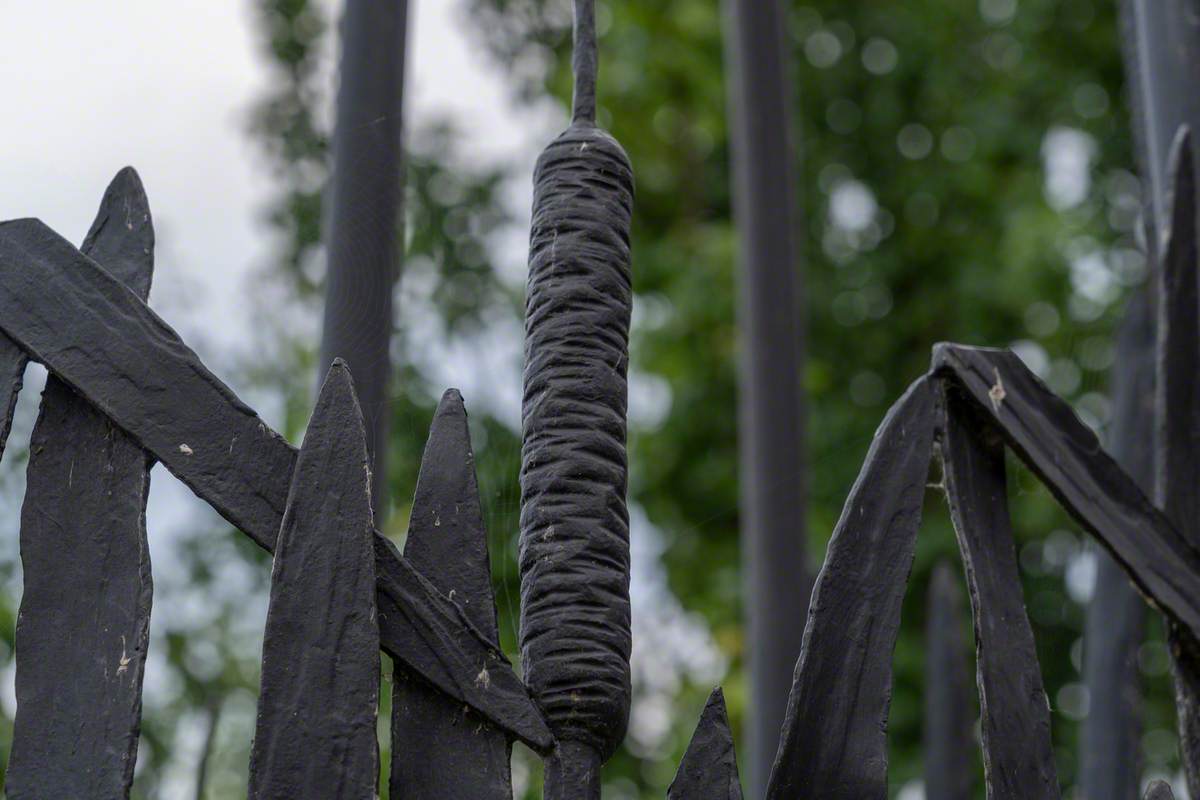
point(1161, 47)
point(440, 749)
point(1110, 734)
point(84, 621)
point(315, 734)
point(363, 225)
point(777, 579)
point(948, 736)
point(1018, 758)
point(575, 626)
point(1177, 423)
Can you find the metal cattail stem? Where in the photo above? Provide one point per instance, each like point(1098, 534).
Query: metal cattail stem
point(575, 626)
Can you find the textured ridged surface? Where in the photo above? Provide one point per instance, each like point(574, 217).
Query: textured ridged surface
point(709, 768)
point(105, 343)
point(315, 737)
point(575, 628)
point(834, 741)
point(949, 721)
point(441, 751)
point(1018, 758)
point(84, 622)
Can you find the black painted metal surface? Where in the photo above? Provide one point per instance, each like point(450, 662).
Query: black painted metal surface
point(1018, 757)
point(1177, 424)
point(834, 741)
point(574, 560)
point(364, 229)
point(948, 738)
point(84, 620)
point(315, 736)
point(1065, 454)
point(105, 343)
point(1159, 790)
point(709, 768)
point(440, 749)
point(776, 576)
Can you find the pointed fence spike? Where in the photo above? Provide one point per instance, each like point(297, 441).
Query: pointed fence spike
point(709, 768)
point(834, 731)
point(81, 633)
point(1018, 757)
point(315, 735)
point(1177, 425)
point(1159, 790)
point(108, 346)
point(949, 720)
point(439, 749)
point(1044, 431)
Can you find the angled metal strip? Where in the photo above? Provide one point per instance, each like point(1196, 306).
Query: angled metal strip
point(315, 735)
point(1065, 454)
point(108, 346)
point(84, 622)
point(949, 721)
point(1018, 758)
point(440, 749)
point(834, 743)
point(709, 768)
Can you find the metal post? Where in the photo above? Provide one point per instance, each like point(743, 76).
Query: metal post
point(363, 223)
point(775, 568)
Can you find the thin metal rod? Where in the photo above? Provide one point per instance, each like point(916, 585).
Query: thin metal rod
point(363, 215)
point(776, 575)
point(585, 61)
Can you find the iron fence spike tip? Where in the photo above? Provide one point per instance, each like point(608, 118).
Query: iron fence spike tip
point(854, 616)
point(315, 734)
point(708, 770)
point(447, 539)
point(447, 543)
point(1159, 790)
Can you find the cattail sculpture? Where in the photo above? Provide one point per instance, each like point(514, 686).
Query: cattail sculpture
point(575, 637)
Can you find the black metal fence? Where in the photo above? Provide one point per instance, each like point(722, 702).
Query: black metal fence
point(125, 391)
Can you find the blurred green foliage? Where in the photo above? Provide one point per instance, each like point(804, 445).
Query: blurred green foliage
point(965, 176)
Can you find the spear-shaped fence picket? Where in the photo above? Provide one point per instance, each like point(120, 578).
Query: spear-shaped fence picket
point(125, 391)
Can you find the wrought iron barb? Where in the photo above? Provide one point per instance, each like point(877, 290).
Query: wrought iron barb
point(79, 662)
point(105, 343)
point(949, 722)
point(1159, 790)
point(317, 708)
point(834, 741)
point(1177, 424)
point(1018, 757)
point(574, 561)
point(709, 768)
point(1064, 453)
point(442, 750)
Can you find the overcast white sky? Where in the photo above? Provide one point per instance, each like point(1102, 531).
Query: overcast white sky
point(166, 87)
